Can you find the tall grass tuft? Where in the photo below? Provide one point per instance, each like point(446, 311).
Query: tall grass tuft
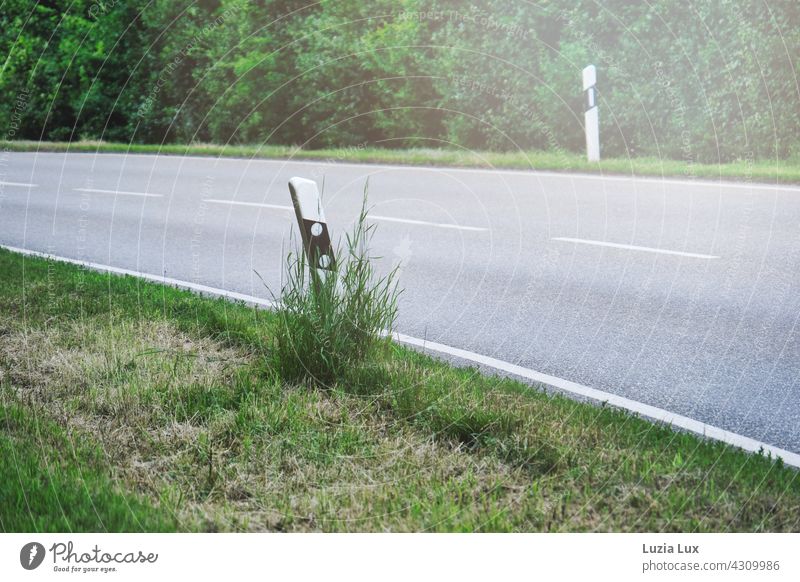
point(332, 322)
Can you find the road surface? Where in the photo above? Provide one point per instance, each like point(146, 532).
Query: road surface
point(679, 294)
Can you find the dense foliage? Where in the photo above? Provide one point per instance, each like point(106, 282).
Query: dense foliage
point(686, 79)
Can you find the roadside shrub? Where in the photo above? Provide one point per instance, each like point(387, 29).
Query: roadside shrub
point(330, 322)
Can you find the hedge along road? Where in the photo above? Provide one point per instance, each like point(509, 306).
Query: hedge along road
point(678, 294)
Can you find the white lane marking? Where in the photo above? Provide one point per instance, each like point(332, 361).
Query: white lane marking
point(121, 192)
point(369, 216)
point(600, 243)
point(610, 177)
point(256, 204)
point(20, 184)
point(425, 223)
point(732, 183)
point(652, 412)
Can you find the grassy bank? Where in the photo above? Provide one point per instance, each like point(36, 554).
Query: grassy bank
point(769, 171)
point(168, 403)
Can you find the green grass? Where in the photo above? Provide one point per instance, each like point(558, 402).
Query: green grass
point(770, 171)
point(330, 324)
point(184, 422)
point(52, 482)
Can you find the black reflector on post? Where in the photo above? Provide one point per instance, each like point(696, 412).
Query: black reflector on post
point(311, 220)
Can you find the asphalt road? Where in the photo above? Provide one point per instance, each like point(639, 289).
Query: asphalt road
point(682, 295)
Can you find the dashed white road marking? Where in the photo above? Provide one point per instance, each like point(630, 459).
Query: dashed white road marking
point(120, 192)
point(599, 243)
point(426, 223)
point(652, 412)
point(369, 216)
point(20, 184)
point(255, 204)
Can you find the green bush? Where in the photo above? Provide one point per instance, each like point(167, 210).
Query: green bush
point(334, 321)
point(710, 82)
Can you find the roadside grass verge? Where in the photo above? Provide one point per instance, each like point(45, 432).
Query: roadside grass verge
point(769, 171)
point(183, 414)
point(51, 481)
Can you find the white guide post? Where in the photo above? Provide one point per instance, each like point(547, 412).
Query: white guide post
point(311, 220)
point(591, 118)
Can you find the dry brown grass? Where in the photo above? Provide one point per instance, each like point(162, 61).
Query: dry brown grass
point(98, 378)
point(324, 460)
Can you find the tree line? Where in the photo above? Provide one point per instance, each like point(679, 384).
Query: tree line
point(684, 79)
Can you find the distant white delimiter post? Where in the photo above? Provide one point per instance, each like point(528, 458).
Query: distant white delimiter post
point(590, 115)
point(313, 228)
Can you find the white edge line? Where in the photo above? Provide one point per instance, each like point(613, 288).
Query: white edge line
point(657, 414)
point(122, 192)
point(425, 223)
point(600, 243)
point(256, 204)
point(21, 184)
point(651, 412)
point(703, 182)
point(201, 289)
